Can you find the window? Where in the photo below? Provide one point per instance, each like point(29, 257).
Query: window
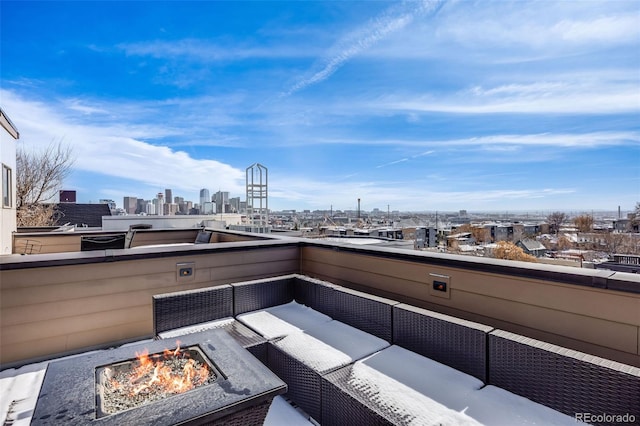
point(7, 186)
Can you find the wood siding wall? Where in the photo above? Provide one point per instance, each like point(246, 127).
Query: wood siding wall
point(59, 309)
point(593, 320)
point(47, 310)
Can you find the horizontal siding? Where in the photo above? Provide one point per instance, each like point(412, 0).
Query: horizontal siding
point(52, 310)
point(588, 319)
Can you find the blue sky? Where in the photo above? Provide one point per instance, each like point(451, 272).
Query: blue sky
point(422, 106)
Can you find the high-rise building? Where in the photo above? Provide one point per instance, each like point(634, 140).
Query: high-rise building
point(235, 205)
point(150, 207)
point(221, 198)
point(204, 198)
point(168, 196)
point(141, 205)
point(130, 205)
point(208, 208)
point(159, 204)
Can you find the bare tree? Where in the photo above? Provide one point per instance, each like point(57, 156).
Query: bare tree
point(555, 221)
point(584, 223)
point(40, 174)
point(510, 251)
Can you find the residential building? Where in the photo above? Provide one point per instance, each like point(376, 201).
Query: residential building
point(8, 137)
point(532, 247)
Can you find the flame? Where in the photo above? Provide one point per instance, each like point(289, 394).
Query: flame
point(155, 373)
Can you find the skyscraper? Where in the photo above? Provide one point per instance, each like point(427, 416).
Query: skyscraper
point(168, 196)
point(221, 198)
point(204, 198)
point(130, 205)
point(159, 204)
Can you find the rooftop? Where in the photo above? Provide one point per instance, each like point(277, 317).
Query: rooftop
point(67, 303)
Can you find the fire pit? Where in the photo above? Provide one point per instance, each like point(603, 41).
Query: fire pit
point(211, 379)
point(148, 378)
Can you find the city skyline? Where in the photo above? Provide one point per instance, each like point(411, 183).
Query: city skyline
point(423, 106)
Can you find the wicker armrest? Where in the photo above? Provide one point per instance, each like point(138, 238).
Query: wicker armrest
point(317, 294)
point(566, 380)
point(260, 294)
point(185, 308)
point(371, 314)
point(452, 341)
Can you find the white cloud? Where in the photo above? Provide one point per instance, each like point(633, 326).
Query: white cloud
point(110, 149)
point(534, 98)
point(559, 140)
point(208, 51)
point(540, 25)
point(358, 41)
point(407, 196)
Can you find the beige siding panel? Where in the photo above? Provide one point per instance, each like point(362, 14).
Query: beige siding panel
point(585, 328)
point(74, 324)
point(29, 349)
point(103, 336)
point(74, 290)
point(616, 306)
point(55, 243)
point(162, 237)
point(622, 307)
point(76, 306)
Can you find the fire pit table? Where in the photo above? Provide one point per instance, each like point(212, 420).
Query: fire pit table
point(227, 385)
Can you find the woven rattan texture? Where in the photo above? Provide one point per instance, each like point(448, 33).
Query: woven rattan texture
point(343, 405)
point(371, 316)
point(323, 298)
point(181, 309)
point(302, 382)
point(302, 291)
point(253, 416)
point(456, 345)
point(564, 383)
point(252, 296)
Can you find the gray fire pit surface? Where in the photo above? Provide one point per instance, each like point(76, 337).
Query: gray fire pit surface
point(68, 393)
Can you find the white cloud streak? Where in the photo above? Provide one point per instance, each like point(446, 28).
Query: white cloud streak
point(205, 51)
point(392, 20)
point(534, 98)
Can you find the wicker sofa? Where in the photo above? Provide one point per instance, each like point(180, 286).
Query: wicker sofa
point(499, 367)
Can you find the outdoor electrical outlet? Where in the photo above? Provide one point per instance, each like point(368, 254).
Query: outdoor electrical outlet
point(440, 285)
point(185, 271)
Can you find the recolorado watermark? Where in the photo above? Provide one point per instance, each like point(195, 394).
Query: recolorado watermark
point(605, 418)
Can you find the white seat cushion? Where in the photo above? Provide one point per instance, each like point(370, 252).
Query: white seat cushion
point(282, 320)
point(330, 345)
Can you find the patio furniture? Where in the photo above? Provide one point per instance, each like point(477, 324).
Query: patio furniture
point(568, 381)
point(364, 311)
point(452, 341)
point(192, 311)
point(396, 386)
point(241, 393)
point(301, 358)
